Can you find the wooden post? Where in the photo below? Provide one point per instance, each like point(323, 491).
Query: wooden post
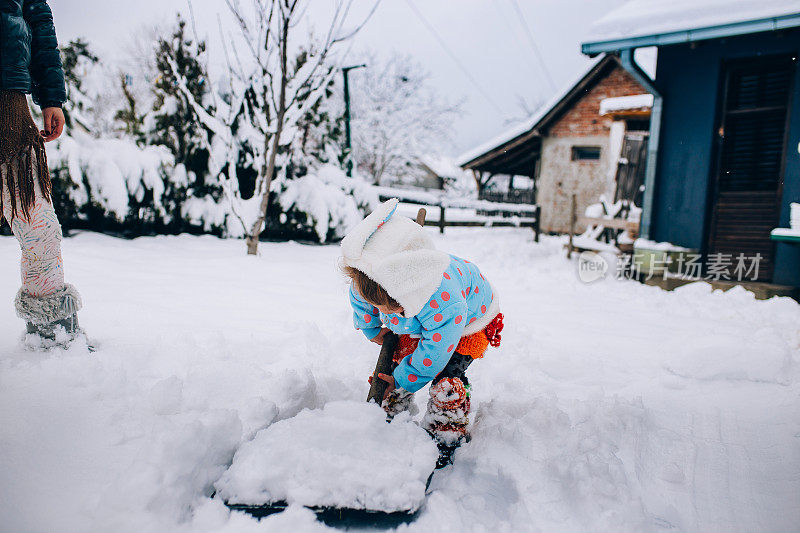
point(537, 223)
point(572, 216)
point(441, 219)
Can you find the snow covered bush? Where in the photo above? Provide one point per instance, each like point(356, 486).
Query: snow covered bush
point(326, 202)
point(115, 185)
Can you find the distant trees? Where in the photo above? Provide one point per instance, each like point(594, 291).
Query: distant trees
point(398, 118)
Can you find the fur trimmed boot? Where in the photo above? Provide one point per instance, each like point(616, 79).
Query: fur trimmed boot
point(47, 315)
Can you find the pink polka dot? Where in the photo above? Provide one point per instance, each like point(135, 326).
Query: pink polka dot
point(482, 276)
point(459, 272)
point(466, 261)
point(468, 289)
point(437, 337)
point(459, 318)
point(437, 317)
point(450, 349)
point(477, 290)
point(446, 275)
point(434, 304)
point(375, 310)
point(445, 296)
point(395, 321)
point(483, 309)
point(412, 378)
point(492, 297)
point(367, 319)
point(427, 362)
point(471, 320)
point(463, 294)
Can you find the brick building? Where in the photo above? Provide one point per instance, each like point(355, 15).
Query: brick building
point(569, 147)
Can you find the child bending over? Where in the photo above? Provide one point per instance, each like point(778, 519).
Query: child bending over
point(444, 310)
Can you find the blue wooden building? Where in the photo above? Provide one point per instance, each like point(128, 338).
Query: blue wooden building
point(723, 164)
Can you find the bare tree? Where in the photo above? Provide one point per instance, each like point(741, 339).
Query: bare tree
point(280, 90)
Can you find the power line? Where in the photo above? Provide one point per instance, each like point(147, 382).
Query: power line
point(453, 56)
point(514, 30)
point(532, 42)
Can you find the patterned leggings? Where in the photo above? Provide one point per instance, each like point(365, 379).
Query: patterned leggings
point(40, 241)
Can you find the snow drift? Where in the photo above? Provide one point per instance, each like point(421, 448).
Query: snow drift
point(344, 455)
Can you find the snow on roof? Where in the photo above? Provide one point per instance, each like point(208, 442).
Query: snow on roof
point(639, 18)
point(524, 127)
point(625, 103)
point(442, 165)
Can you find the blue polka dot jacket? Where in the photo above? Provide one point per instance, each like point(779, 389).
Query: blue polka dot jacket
point(463, 299)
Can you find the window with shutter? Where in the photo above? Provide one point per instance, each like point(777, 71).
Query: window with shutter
point(749, 176)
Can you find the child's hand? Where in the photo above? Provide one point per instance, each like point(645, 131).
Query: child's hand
point(390, 380)
point(378, 339)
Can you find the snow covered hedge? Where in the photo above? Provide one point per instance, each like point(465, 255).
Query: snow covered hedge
point(116, 186)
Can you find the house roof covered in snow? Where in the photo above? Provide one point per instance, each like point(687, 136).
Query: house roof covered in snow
point(640, 23)
point(516, 150)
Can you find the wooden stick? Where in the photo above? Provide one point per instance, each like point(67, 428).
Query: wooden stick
point(421, 216)
point(384, 366)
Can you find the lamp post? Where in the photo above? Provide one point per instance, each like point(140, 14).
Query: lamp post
point(348, 145)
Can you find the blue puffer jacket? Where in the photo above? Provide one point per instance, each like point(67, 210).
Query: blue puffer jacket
point(462, 304)
point(29, 58)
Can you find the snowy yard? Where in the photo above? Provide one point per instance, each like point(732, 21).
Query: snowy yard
point(610, 406)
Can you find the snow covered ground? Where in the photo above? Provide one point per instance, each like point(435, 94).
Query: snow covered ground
point(609, 406)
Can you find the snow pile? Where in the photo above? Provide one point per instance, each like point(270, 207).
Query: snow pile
point(566, 462)
point(344, 455)
point(647, 244)
point(610, 406)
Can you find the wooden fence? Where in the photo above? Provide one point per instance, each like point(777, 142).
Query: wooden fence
point(503, 214)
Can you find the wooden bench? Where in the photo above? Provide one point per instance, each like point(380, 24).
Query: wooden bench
point(617, 225)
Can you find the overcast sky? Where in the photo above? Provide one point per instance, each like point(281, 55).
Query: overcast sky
point(488, 38)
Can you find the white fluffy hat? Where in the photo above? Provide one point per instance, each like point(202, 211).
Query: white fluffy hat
point(398, 254)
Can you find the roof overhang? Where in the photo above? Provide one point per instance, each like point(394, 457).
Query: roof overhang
point(516, 157)
point(593, 48)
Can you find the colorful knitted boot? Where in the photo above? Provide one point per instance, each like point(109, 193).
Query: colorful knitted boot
point(398, 401)
point(447, 417)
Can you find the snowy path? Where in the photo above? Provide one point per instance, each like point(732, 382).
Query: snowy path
point(611, 406)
